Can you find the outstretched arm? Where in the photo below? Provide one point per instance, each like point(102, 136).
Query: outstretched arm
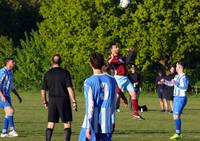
point(17, 94)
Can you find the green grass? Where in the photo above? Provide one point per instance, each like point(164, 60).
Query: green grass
point(31, 121)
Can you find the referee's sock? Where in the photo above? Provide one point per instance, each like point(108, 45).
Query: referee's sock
point(67, 134)
point(49, 133)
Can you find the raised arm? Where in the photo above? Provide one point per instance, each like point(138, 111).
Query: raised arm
point(130, 53)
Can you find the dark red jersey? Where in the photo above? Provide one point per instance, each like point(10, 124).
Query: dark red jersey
point(119, 65)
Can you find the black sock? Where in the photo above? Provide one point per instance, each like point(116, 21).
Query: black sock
point(67, 134)
point(49, 133)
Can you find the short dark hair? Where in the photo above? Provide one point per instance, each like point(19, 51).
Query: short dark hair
point(181, 63)
point(114, 44)
point(8, 59)
point(97, 60)
point(56, 59)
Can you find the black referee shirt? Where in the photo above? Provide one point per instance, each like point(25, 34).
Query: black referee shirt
point(56, 81)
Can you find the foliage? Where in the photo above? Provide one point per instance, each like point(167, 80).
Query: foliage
point(160, 32)
point(31, 62)
point(6, 49)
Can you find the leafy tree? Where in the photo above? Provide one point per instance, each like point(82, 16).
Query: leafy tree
point(6, 49)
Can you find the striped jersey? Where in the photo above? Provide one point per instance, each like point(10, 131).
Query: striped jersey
point(100, 95)
point(6, 81)
point(181, 85)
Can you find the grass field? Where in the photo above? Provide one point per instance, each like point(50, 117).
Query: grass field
point(30, 119)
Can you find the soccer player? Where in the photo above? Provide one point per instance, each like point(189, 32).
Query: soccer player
point(6, 86)
point(160, 89)
point(119, 65)
point(106, 69)
point(169, 90)
point(135, 79)
point(180, 83)
point(57, 81)
point(100, 95)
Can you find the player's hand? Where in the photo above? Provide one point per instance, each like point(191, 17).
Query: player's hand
point(87, 134)
point(113, 128)
point(3, 98)
point(162, 81)
point(20, 99)
point(45, 103)
point(75, 107)
point(173, 81)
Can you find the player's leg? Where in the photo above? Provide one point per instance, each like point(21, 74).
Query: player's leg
point(165, 104)
point(67, 131)
point(171, 105)
point(118, 103)
point(122, 96)
point(53, 117)
point(65, 113)
point(49, 130)
point(179, 104)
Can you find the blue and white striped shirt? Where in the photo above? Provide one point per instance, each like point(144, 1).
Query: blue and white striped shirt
point(100, 94)
point(181, 85)
point(6, 81)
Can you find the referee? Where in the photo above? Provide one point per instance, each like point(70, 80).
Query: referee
point(57, 82)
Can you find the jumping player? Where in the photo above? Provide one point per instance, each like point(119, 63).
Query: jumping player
point(6, 86)
point(119, 65)
point(100, 95)
point(180, 83)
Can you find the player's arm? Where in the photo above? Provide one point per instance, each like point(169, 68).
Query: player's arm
point(71, 91)
point(43, 92)
point(44, 98)
point(89, 108)
point(2, 76)
point(73, 98)
point(168, 83)
point(114, 109)
point(110, 59)
point(130, 53)
point(17, 94)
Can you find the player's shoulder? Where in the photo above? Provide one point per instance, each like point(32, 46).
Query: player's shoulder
point(2, 70)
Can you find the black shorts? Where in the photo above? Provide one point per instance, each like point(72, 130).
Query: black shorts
point(169, 96)
point(59, 108)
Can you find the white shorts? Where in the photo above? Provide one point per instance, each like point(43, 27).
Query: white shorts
point(124, 83)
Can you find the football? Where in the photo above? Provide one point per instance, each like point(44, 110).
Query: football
point(124, 3)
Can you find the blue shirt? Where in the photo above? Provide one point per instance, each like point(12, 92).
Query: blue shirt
point(6, 81)
point(100, 95)
point(181, 85)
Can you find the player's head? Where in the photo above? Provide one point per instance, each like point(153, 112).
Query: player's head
point(114, 48)
point(96, 60)
point(133, 69)
point(56, 59)
point(179, 67)
point(106, 69)
point(10, 63)
point(172, 69)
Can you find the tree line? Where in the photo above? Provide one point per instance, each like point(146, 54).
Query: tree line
point(160, 32)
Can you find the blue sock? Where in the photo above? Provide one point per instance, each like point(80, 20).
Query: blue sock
point(178, 126)
point(5, 125)
point(11, 122)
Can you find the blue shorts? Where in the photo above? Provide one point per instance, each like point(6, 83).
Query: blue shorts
point(179, 104)
point(7, 103)
point(95, 136)
point(124, 83)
